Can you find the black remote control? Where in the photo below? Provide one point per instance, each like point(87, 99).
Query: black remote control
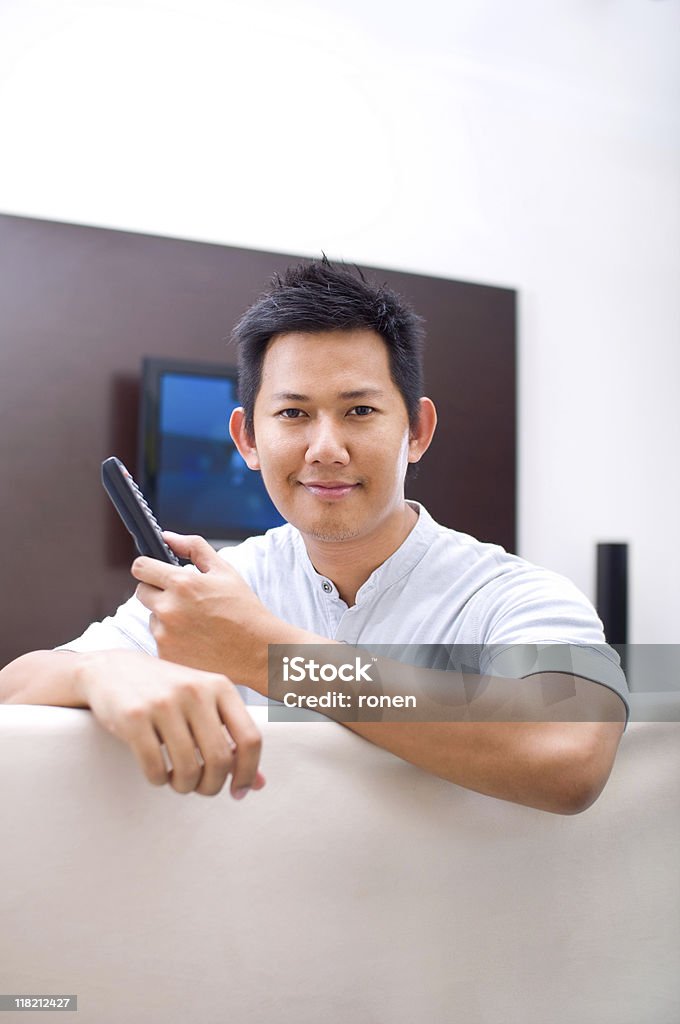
point(134, 511)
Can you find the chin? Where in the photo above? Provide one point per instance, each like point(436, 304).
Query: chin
point(327, 527)
point(331, 536)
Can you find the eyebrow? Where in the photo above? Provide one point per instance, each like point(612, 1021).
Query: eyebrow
point(293, 396)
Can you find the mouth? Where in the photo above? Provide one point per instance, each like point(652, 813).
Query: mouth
point(331, 491)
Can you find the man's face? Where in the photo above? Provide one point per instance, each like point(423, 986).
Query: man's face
point(331, 434)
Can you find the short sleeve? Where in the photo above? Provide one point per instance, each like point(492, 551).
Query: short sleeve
point(538, 621)
point(128, 629)
point(600, 664)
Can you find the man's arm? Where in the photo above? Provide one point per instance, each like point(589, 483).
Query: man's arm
point(547, 740)
point(214, 621)
point(150, 704)
point(43, 677)
point(554, 766)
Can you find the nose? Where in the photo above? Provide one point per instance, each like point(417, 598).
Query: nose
point(326, 443)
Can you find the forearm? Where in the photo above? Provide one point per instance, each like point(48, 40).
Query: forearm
point(537, 764)
point(501, 737)
point(44, 677)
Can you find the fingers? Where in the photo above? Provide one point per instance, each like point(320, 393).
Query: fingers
point(167, 727)
point(145, 744)
point(207, 736)
point(247, 740)
point(147, 595)
point(195, 548)
point(216, 751)
point(155, 577)
point(154, 572)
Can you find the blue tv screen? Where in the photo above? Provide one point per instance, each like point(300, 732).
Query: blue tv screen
point(192, 474)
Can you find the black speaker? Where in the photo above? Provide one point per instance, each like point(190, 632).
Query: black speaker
point(612, 591)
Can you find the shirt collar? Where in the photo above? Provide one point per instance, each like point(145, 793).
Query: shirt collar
point(399, 564)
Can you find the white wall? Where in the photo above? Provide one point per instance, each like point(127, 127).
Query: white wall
point(529, 144)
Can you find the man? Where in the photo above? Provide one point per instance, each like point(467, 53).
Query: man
point(332, 416)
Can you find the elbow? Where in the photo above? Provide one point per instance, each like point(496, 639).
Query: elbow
point(567, 796)
point(566, 799)
point(573, 761)
point(586, 767)
point(580, 799)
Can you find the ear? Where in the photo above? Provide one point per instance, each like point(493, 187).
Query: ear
point(244, 441)
point(421, 434)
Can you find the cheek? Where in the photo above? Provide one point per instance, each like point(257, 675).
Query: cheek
point(278, 454)
point(391, 449)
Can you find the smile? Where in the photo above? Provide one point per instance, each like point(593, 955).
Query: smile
point(330, 491)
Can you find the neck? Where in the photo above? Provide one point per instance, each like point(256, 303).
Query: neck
point(349, 563)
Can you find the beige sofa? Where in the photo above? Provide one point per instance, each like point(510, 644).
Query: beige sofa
point(354, 888)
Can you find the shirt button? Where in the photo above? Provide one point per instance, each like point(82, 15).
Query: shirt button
point(326, 587)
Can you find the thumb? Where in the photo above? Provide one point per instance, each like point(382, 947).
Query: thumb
point(195, 548)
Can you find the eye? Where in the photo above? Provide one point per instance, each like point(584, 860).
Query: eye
point(362, 410)
point(291, 414)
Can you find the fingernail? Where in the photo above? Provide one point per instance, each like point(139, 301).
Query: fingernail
point(240, 793)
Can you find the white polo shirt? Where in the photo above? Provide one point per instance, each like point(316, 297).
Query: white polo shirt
point(443, 599)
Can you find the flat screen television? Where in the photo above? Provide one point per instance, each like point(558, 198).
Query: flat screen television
point(188, 467)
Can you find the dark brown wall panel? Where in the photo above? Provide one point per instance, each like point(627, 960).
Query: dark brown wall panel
point(80, 306)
